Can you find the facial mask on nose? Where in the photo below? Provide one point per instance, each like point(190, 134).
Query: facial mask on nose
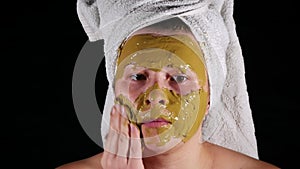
point(184, 110)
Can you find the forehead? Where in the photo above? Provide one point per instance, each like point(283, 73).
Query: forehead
point(155, 59)
point(179, 50)
point(181, 44)
point(163, 32)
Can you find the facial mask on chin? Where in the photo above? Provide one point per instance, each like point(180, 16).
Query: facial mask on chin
point(185, 106)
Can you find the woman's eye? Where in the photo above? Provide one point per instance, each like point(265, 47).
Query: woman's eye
point(137, 77)
point(178, 78)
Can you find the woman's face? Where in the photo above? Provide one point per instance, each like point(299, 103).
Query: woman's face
point(162, 83)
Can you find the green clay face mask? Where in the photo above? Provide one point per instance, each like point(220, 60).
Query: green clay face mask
point(162, 83)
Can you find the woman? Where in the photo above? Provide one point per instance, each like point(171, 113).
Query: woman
point(162, 95)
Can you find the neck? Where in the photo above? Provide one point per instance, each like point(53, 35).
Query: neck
point(191, 155)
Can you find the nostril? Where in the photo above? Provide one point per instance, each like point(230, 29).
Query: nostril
point(162, 102)
point(156, 96)
point(147, 102)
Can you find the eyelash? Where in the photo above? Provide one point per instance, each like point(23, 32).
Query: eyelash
point(174, 78)
point(140, 76)
point(135, 76)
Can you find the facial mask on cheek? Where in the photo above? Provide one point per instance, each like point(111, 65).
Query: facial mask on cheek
point(184, 112)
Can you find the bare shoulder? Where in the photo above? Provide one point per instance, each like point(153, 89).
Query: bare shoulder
point(232, 159)
point(88, 163)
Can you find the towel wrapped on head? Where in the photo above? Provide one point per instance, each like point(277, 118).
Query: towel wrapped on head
point(229, 122)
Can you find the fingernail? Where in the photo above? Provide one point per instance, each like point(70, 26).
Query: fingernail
point(133, 128)
point(113, 111)
point(123, 112)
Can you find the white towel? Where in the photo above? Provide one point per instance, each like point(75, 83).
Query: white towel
point(229, 122)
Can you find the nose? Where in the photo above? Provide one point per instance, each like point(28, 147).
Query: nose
point(157, 96)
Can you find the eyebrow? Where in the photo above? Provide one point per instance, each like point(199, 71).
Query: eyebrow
point(175, 69)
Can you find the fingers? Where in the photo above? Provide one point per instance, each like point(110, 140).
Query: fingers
point(110, 148)
point(118, 137)
point(123, 142)
point(117, 141)
point(135, 150)
point(113, 134)
point(123, 146)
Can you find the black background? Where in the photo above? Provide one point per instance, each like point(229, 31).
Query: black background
point(43, 39)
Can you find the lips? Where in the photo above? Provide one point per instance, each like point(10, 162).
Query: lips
point(156, 123)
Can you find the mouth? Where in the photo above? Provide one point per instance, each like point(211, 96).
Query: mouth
point(156, 123)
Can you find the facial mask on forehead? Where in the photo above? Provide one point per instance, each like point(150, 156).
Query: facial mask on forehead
point(185, 105)
point(181, 45)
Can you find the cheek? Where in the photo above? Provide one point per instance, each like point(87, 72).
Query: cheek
point(189, 87)
point(173, 86)
point(134, 91)
point(125, 88)
point(122, 88)
point(137, 88)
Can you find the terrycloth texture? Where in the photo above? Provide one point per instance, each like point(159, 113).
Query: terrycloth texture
point(229, 122)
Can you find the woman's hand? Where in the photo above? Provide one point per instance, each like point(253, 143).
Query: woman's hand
point(123, 146)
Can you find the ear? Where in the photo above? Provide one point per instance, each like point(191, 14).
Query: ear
point(207, 108)
point(89, 17)
point(208, 99)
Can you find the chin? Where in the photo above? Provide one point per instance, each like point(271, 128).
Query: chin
point(152, 146)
